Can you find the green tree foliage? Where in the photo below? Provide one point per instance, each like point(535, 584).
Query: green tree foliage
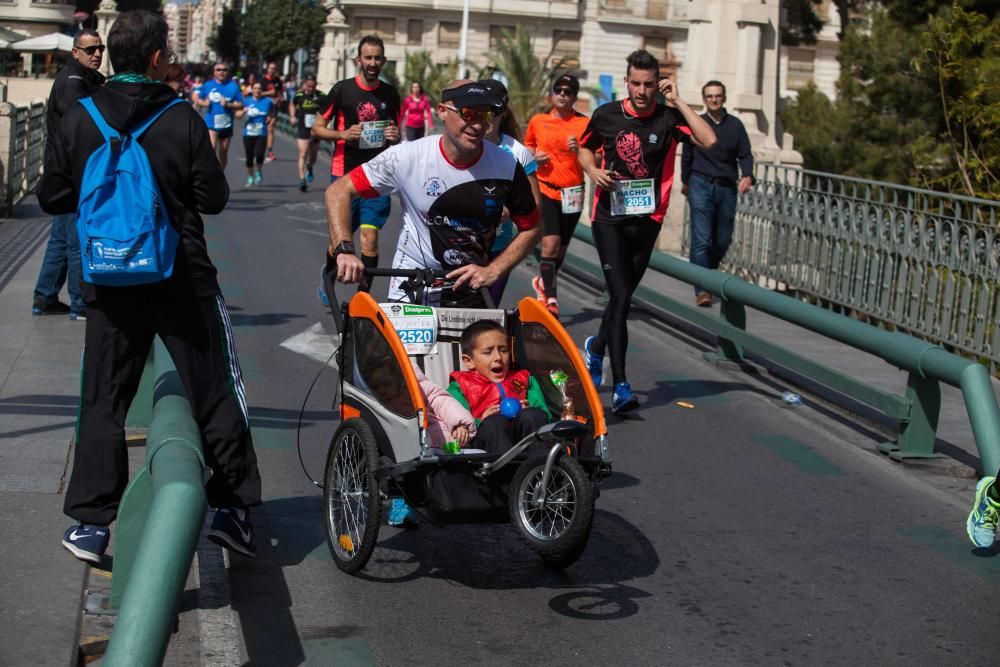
point(226, 40)
point(278, 27)
point(890, 118)
point(528, 78)
point(961, 51)
point(432, 76)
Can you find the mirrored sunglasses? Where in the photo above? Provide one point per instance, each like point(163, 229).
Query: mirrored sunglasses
point(470, 115)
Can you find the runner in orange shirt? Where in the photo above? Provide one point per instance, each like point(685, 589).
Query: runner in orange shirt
point(554, 137)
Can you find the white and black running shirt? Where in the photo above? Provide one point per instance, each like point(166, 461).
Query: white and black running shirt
point(450, 212)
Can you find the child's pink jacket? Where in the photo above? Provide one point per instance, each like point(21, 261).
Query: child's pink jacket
point(444, 413)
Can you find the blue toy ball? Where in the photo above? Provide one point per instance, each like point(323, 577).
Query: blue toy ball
point(510, 408)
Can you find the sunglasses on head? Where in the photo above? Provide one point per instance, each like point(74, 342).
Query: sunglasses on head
point(91, 50)
point(470, 115)
point(562, 90)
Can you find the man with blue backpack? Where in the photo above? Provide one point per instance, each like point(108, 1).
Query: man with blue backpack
point(135, 164)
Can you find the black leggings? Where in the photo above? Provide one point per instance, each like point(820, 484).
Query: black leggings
point(254, 148)
point(555, 222)
point(624, 249)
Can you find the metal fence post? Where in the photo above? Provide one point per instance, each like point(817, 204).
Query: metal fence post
point(735, 315)
point(917, 433)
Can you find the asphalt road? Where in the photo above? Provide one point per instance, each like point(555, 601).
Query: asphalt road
point(740, 531)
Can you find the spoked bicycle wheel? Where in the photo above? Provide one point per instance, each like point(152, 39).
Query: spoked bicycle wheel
point(351, 499)
point(556, 520)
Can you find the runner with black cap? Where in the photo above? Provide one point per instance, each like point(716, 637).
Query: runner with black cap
point(554, 137)
point(453, 189)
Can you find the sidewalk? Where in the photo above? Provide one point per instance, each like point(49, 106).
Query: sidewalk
point(39, 386)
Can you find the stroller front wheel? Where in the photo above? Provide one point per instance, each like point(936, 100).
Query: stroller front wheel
point(556, 520)
point(351, 499)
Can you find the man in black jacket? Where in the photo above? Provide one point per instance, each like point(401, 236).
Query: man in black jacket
point(711, 182)
point(186, 310)
point(62, 254)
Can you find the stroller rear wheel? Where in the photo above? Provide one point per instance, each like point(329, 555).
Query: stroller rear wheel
point(556, 520)
point(351, 499)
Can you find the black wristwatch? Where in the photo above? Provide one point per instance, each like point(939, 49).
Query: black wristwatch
point(344, 248)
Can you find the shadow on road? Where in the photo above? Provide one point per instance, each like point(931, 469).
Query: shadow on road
point(682, 388)
point(493, 557)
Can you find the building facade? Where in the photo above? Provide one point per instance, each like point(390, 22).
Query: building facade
point(36, 17)
point(814, 63)
point(180, 19)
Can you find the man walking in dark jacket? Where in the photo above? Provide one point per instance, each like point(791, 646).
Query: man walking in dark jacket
point(711, 182)
point(186, 310)
point(61, 263)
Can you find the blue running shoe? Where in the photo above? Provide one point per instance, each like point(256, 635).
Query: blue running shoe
point(400, 514)
point(982, 522)
point(321, 290)
point(623, 399)
point(309, 174)
point(231, 531)
point(258, 178)
point(87, 542)
point(595, 363)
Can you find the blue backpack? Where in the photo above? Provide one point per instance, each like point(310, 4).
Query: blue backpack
point(125, 233)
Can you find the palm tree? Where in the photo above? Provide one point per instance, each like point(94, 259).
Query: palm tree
point(432, 76)
point(528, 78)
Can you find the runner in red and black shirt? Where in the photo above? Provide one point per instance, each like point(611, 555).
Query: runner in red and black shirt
point(359, 116)
point(272, 87)
point(639, 140)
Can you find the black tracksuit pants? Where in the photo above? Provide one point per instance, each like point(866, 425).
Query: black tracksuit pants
point(121, 323)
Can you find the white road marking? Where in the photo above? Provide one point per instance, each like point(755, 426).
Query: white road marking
point(325, 235)
point(314, 343)
point(219, 628)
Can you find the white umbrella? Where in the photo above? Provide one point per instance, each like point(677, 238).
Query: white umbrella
point(54, 41)
point(8, 37)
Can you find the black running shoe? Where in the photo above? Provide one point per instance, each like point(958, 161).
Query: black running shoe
point(231, 532)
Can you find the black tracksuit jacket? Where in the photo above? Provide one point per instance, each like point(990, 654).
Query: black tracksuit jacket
point(189, 175)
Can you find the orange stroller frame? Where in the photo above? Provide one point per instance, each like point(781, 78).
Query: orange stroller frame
point(546, 485)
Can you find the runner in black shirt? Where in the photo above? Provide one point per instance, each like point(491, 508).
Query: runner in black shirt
point(359, 116)
point(274, 88)
point(303, 111)
point(639, 140)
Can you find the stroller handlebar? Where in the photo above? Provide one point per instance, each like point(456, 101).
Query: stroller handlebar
point(415, 283)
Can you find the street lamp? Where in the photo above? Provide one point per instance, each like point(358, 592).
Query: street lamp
point(463, 42)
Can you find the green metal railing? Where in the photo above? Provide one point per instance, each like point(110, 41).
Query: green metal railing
point(159, 522)
point(912, 260)
point(285, 126)
point(22, 158)
point(927, 364)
